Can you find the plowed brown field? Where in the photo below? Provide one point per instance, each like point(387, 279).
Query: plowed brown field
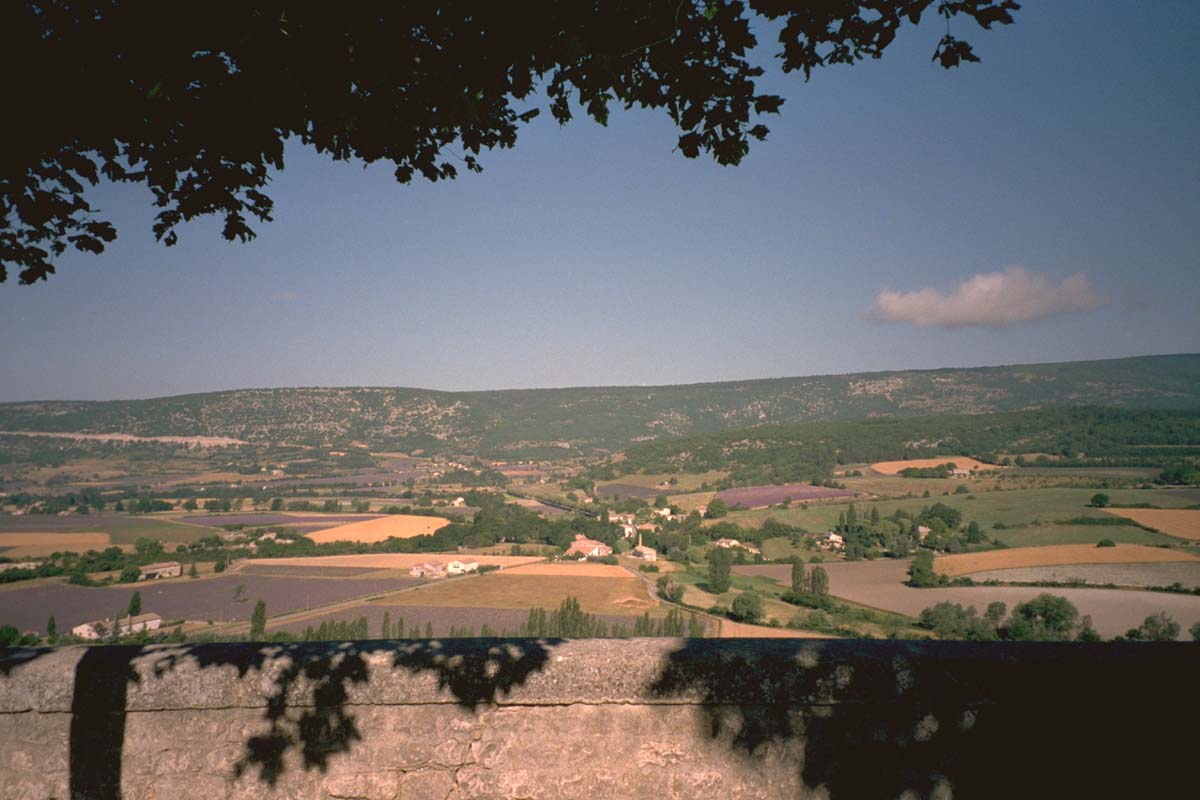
point(966, 563)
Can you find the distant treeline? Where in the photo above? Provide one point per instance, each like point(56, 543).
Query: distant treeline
point(810, 451)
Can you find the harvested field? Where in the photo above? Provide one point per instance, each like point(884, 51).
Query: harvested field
point(738, 630)
point(759, 496)
point(121, 528)
point(1184, 523)
point(401, 526)
point(1186, 574)
point(624, 491)
point(585, 569)
point(269, 568)
point(1055, 555)
point(393, 560)
point(880, 584)
point(28, 607)
point(275, 518)
point(962, 462)
point(30, 544)
point(692, 501)
point(509, 589)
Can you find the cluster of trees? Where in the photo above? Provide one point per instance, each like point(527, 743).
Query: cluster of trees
point(1183, 474)
point(1046, 618)
point(809, 588)
point(899, 534)
point(940, 471)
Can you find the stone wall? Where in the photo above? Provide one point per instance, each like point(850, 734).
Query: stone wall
point(640, 718)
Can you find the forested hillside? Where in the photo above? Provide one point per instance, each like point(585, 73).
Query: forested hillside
point(588, 420)
point(811, 451)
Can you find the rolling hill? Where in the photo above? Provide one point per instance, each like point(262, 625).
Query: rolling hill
point(535, 422)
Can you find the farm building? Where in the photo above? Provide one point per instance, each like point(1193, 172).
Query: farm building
point(831, 541)
point(644, 553)
point(161, 569)
point(628, 531)
point(584, 547)
point(128, 625)
point(923, 531)
point(428, 569)
point(663, 512)
point(623, 519)
point(459, 567)
point(458, 502)
point(19, 565)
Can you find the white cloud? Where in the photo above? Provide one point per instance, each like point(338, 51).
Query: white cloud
point(994, 299)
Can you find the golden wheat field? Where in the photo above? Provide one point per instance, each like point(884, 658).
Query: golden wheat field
point(894, 467)
point(1055, 555)
point(402, 526)
point(738, 630)
point(396, 560)
point(511, 589)
point(1184, 523)
point(28, 545)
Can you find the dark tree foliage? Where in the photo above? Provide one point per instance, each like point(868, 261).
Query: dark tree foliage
point(197, 106)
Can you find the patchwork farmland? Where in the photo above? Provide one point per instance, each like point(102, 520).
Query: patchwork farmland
point(28, 606)
point(880, 584)
point(1186, 574)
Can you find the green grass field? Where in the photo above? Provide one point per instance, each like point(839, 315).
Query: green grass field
point(1041, 535)
point(1017, 507)
point(685, 481)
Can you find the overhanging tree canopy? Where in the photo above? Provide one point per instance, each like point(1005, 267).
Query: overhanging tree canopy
point(197, 104)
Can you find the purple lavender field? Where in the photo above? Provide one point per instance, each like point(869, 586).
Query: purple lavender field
point(759, 496)
point(28, 607)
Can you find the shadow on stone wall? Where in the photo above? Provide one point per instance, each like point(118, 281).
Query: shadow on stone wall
point(311, 680)
point(854, 718)
point(891, 720)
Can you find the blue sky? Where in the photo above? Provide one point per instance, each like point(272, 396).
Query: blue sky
point(592, 255)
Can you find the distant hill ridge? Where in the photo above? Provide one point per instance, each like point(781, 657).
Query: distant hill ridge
point(532, 422)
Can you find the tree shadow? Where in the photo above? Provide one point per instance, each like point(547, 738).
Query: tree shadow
point(98, 708)
point(942, 719)
point(308, 707)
